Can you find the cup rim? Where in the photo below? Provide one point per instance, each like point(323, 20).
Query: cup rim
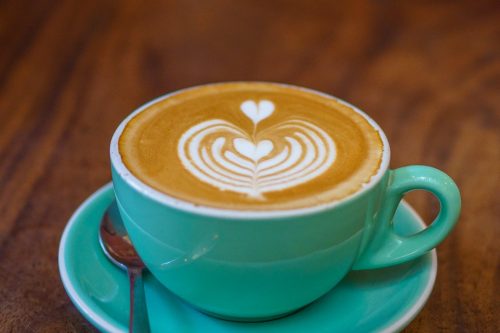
point(189, 207)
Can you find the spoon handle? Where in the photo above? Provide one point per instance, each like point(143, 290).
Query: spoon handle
point(138, 320)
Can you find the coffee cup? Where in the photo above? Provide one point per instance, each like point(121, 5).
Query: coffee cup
point(250, 200)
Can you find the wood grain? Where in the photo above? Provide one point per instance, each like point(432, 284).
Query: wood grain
point(427, 72)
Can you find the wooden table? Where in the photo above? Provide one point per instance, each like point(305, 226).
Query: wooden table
point(70, 71)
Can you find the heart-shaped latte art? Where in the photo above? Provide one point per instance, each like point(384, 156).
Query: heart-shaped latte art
point(251, 150)
point(225, 156)
point(257, 112)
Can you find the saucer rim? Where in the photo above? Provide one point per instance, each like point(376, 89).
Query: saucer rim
point(114, 327)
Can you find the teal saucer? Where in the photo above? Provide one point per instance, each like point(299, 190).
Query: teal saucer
point(383, 300)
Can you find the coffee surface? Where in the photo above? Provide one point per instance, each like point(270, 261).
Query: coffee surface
point(251, 146)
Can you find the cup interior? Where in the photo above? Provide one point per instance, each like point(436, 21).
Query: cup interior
point(187, 206)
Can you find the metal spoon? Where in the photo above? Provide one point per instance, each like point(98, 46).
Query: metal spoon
point(117, 246)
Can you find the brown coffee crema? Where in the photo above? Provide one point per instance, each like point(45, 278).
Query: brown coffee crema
point(251, 146)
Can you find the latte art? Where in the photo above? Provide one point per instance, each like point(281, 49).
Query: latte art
point(251, 146)
point(225, 156)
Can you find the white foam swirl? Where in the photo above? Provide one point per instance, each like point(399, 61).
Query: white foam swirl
point(225, 156)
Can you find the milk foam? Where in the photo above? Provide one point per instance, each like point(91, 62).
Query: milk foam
point(245, 164)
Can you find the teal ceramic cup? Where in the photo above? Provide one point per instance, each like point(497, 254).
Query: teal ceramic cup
point(258, 265)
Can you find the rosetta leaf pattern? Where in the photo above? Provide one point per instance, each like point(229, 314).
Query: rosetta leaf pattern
point(239, 162)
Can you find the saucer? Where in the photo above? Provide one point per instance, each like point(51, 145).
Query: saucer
point(382, 300)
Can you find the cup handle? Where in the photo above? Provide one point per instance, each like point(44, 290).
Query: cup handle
point(386, 248)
